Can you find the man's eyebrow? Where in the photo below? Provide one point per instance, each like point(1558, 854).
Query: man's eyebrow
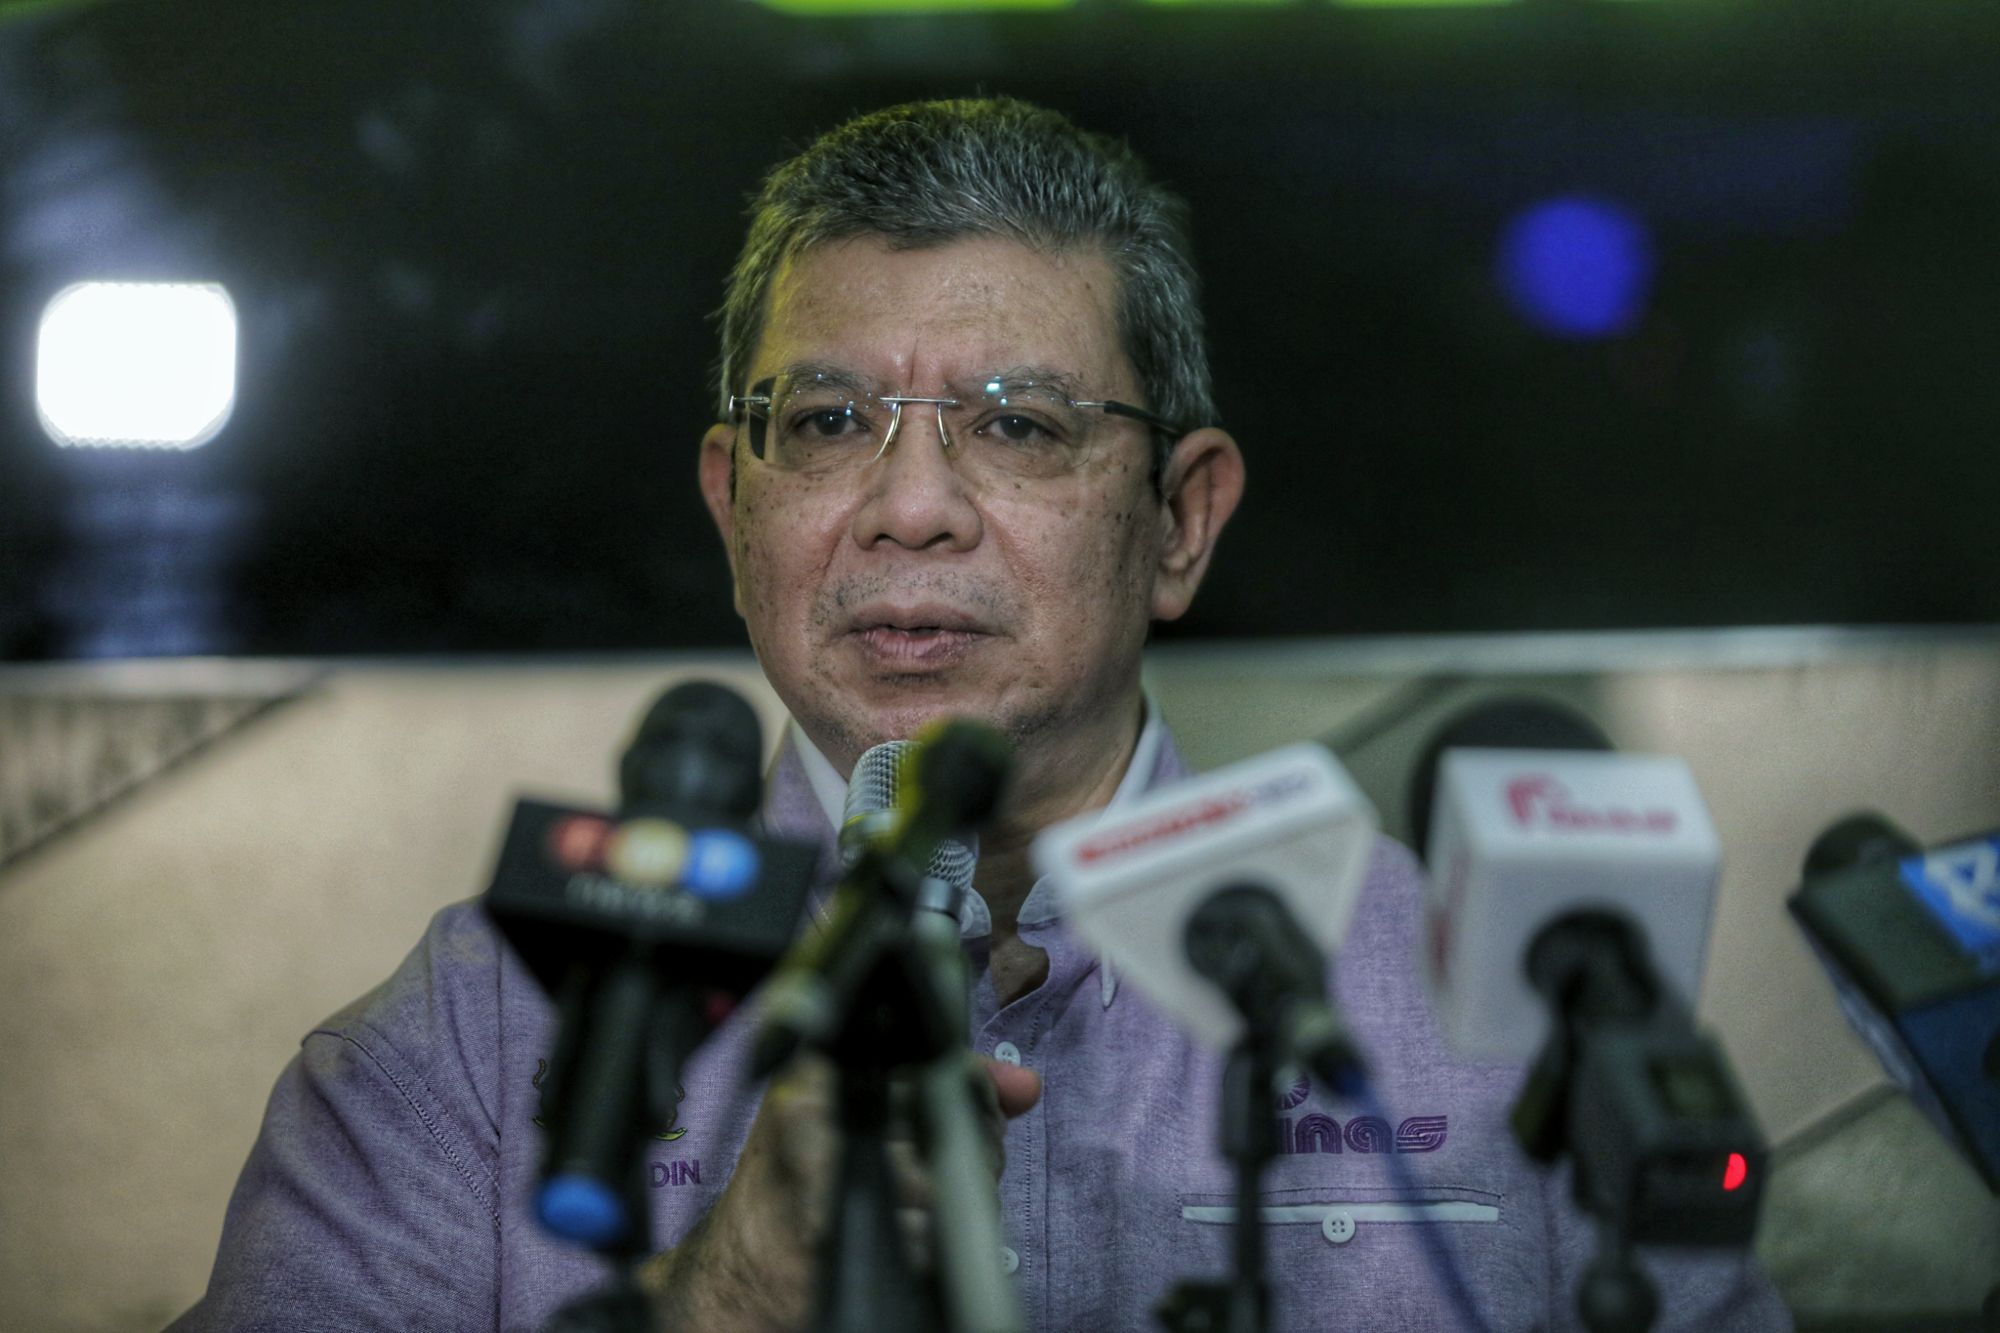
point(839, 377)
point(1012, 377)
point(1050, 377)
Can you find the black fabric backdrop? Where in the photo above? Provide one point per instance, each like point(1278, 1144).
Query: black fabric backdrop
point(474, 246)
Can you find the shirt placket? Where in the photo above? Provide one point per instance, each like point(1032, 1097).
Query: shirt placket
point(1017, 1035)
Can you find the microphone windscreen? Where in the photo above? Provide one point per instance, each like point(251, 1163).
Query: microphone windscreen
point(698, 753)
point(1859, 839)
point(962, 768)
point(875, 792)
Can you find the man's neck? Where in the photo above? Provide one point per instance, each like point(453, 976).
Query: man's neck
point(1006, 873)
point(1046, 790)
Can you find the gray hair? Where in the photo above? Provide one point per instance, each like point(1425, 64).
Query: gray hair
point(926, 173)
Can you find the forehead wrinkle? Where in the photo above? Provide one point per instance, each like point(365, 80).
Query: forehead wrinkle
point(970, 305)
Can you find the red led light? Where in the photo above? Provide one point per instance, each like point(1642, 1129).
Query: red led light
point(1736, 1172)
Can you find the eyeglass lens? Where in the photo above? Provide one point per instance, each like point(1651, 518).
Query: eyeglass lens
point(816, 424)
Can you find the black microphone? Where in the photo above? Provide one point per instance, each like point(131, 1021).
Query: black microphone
point(1911, 941)
point(1250, 944)
point(646, 926)
point(1567, 918)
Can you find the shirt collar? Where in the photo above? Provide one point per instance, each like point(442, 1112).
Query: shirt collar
point(827, 784)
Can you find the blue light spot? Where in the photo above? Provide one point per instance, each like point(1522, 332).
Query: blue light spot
point(720, 865)
point(1576, 267)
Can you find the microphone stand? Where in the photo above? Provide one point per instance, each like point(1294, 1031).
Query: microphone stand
point(885, 988)
point(1241, 1303)
point(910, 1009)
point(1244, 939)
point(664, 1034)
point(1644, 1105)
point(865, 1278)
point(975, 1292)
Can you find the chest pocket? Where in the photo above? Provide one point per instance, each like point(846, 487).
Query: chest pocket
point(1372, 1252)
point(1340, 1220)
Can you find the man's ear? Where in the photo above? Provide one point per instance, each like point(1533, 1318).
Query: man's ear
point(1204, 482)
point(718, 489)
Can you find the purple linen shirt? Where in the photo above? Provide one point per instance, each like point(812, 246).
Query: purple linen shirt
point(391, 1185)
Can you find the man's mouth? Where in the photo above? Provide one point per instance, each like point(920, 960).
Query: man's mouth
point(917, 637)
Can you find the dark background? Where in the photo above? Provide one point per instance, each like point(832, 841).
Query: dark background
point(473, 247)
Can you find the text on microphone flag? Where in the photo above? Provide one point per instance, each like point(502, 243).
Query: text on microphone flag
point(1960, 886)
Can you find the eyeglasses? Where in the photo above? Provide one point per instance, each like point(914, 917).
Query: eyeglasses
point(1005, 429)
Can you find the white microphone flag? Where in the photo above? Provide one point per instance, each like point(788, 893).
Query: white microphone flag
point(1290, 820)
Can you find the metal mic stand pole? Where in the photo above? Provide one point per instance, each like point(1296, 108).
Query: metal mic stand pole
point(1249, 1140)
point(974, 1291)
point(866, 1284)
point(865, 1281)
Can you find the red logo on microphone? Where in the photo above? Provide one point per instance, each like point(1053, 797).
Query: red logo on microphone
point(1187, 819)
point(1539, 801)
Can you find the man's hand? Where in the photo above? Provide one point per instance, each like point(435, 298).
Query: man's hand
point(750, 1264)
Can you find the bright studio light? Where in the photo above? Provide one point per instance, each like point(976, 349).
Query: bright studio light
point(136, 363)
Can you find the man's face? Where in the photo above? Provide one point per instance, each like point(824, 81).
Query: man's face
point(881, 598)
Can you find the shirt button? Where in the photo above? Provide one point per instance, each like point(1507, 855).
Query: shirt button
point(1008, 1052)
point(1338, 1227)
point(1009, 1261)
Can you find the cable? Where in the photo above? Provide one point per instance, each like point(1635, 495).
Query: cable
point(1444, 1264)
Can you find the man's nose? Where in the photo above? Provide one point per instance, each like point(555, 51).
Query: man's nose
point(916, 497)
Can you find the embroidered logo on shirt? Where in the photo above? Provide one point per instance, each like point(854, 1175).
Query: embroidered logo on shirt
point(1320, 1133)
point(1317, 1132)
point(674, 1127)
point(675, 1173)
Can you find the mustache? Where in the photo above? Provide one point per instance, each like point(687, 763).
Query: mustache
point(840, 599)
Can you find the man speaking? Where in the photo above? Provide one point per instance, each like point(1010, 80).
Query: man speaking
point(965, 457)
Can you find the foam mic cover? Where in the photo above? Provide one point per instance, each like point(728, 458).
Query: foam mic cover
point(696, 757)
point(1911, 940)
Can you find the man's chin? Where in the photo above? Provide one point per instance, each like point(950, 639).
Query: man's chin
point(873, 719)
point(905, 721)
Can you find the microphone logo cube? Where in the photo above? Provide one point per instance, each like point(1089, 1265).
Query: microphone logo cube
point(1291, 821)
point(1521, 837)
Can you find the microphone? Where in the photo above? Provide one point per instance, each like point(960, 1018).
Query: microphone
point(645, 927)
point(905, 839)
point(877, 795)
point(1566, 920)
point(1911, 941)
point(1220, 896)
point(1522, 812)
point(1247, 942)
point(883, 985)
point(883, 793)
point(1245, 877)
